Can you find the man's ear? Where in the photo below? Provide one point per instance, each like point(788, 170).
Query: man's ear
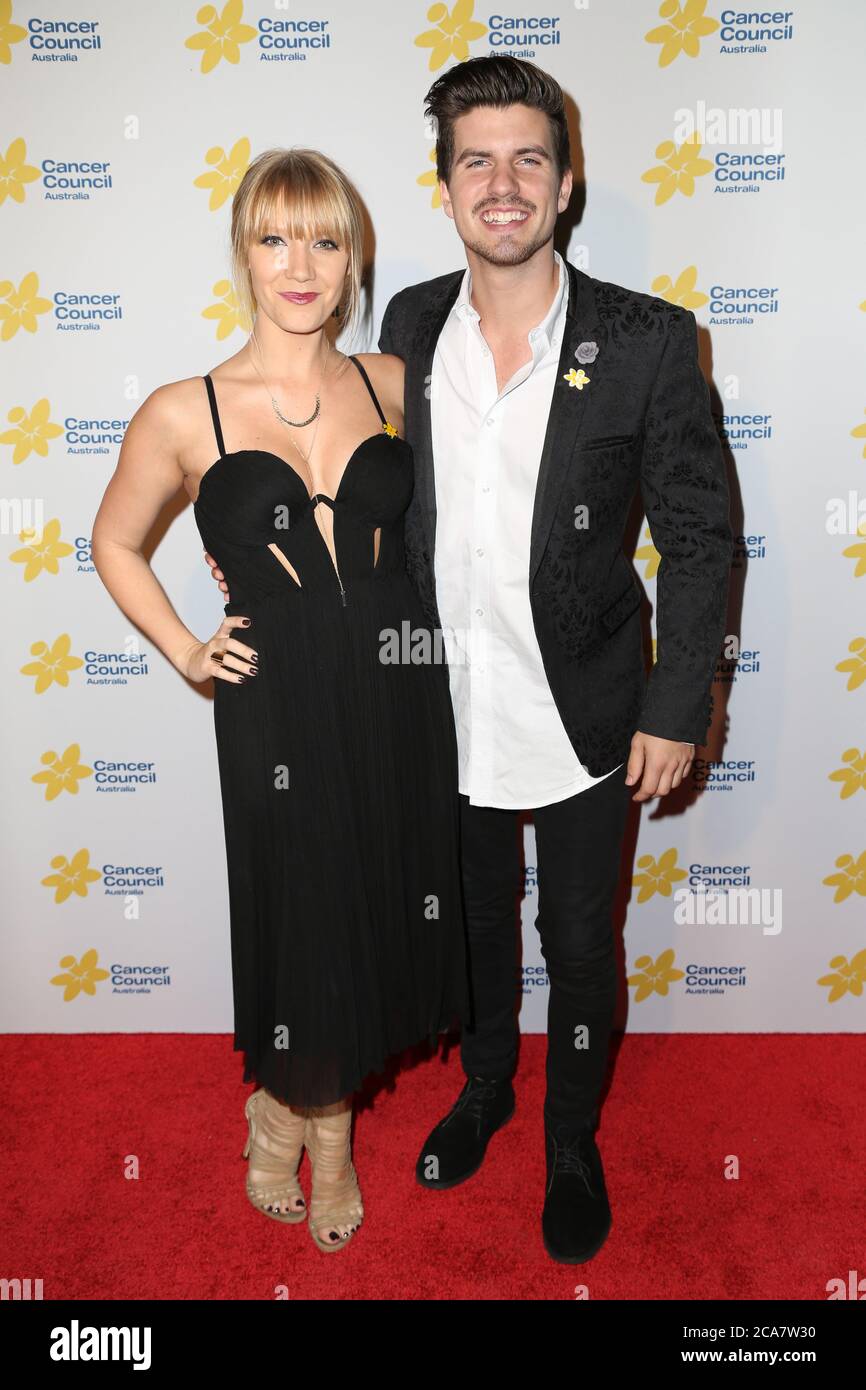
point(445, 199)
point(565, 190)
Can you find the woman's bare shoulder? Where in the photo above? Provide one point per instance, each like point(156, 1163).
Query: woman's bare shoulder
point(386, 373)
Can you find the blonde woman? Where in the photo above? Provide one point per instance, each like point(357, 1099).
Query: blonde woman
point(337, 762)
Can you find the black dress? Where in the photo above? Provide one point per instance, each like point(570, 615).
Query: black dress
point(338, 775)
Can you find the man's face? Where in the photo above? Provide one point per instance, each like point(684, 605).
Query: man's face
point(504, 192)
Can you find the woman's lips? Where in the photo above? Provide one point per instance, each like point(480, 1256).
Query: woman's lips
point(298, 298)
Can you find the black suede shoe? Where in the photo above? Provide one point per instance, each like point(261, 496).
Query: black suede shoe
point(455, 1149)
point(576, 1218)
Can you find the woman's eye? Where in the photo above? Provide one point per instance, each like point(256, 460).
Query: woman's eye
point(266, 240)
point(327, 241)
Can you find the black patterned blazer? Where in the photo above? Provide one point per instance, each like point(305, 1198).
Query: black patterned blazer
point(643, 420)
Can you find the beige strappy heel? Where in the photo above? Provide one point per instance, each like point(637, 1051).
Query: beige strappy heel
point(285, 1129)
point(328, 1142)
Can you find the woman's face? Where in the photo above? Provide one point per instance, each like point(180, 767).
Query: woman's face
point(298, 284)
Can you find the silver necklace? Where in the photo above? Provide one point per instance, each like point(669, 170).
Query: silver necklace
point(295, 424)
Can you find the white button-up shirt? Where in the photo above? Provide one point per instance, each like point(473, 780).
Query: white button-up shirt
point(513, 750)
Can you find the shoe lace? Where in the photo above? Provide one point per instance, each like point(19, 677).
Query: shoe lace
point(474, 1096)
point(567, 1159)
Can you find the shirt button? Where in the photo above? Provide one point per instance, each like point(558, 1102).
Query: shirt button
point(490, 420)
point(479, 612)
point(485, 489)
point(485, 352)
point(479, 552)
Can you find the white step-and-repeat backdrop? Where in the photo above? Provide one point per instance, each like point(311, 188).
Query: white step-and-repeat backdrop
point(721, 151)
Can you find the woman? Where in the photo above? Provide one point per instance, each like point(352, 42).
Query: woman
point(337, 768)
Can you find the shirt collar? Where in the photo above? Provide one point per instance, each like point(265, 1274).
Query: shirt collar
point(541, 335)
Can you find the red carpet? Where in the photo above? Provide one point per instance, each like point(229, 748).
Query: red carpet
point(789, 1107)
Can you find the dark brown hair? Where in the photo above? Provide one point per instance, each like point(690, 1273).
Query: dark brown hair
point(494, 81)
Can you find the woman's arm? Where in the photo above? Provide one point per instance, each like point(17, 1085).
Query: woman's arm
point(148, 474)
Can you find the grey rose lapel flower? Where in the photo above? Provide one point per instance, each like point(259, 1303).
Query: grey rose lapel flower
point(586, 352)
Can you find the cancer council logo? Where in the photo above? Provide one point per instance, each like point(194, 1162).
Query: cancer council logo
point(654, 976)
point(41, 554)
point(226, 311)
point(852, 777)
point(452, 33)
point(225, 173)
point(684, 27)
point(858, 552)
point(848, 976)
point(854, 666)
point(71, 876)
point(648, 553)
point(680, 166)
point(15, 173)
point(31, 431)
point(61, 772)
point(850, 877)
point(430, 179)
point(79, 976)
point(682, 290)
point(51, 664)
point(221, 35)
point(21, 305)
point(657, 876)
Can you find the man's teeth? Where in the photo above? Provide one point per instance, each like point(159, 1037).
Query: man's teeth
point(504, 216)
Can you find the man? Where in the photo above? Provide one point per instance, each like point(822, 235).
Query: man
point(537, 399)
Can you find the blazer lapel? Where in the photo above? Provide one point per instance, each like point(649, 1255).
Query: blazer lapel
point(419, 369)
point(567, 409)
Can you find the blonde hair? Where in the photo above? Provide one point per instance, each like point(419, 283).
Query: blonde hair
point(308, 194)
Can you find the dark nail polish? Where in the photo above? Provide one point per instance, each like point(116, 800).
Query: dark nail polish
point(246, 622)
point(240, 678)
point(254, 658)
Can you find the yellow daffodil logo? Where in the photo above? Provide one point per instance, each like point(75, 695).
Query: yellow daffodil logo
point(71, 876)
point(14, 173)
point(650, 554)
point(41, 553)
point(654, 976)
point(577, 378)
point(678, 170)
point(848, 977)
point(858, 552)
point(855, 666)
point(52, 664)
point(852, 777)
point(227, 171)
point(9, 33)
point(682, 290)
point(859, 432)
point(222, 35)
point(431, 180)
point(227, 312)
point(62, 774)
point(80, 976)
point(454, 32)
point(19, 307)
point(851, 877)
point(389, 429)
point(683, 30)
point(657, 877)
point(31, 433)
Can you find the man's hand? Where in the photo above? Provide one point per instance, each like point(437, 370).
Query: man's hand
point(659, 764)
point(217, 574)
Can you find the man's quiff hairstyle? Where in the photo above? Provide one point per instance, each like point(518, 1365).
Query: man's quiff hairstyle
point(499, 82)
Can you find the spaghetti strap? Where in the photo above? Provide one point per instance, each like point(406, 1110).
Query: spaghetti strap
point(217, 428)
point(369, 387)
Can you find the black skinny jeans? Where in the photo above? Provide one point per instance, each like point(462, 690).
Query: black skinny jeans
point(579, 843)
